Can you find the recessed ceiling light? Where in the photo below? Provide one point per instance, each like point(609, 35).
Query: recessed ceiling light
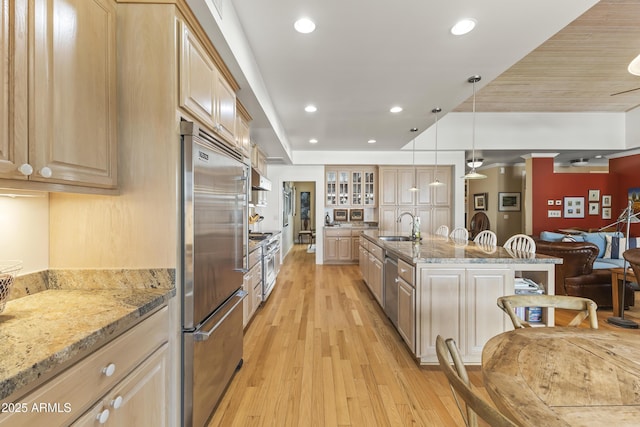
point(371, 141)
point(304, 25)
point(313, 141)
point(395, 109)
point(463, 26)
point(310, 109)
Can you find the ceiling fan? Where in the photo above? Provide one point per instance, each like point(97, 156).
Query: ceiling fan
point(625, 91)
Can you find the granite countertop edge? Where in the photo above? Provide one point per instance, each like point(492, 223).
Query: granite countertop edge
point(446, 251)
point(21, 368)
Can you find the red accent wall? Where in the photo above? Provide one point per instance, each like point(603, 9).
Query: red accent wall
point(624, 173)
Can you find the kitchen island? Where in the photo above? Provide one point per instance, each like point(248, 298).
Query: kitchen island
point(64, 347)
point(450, 288)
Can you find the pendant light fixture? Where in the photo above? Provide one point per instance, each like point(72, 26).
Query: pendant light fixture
point(472, 173)
point(436, 182)
point(415, 171)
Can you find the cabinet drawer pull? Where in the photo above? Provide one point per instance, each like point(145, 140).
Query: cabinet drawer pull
point(109, 370)
point(103, 416)
point(117, 402)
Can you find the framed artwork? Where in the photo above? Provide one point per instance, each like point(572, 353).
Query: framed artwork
point(340, 214)
point(480, 202)
point(606, 201)
point(508, 202)
point(606, 213)
point(634, 196)
point(356, 214)
point(594, 208)
point(574, 207)
point(594, 195)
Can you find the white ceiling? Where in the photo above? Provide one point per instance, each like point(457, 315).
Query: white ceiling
point(366, 56)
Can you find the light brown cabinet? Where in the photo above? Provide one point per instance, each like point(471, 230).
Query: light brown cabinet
point(253, 286)
point(204, 90)
point(351, 186)
point(132, 367)
point(432, 204)
point(59, 111)
point(258, 160)
point(337, 245)
point(136, 399)
point(407, 304)
point(243, 130)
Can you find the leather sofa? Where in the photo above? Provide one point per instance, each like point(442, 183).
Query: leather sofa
point(576, 276)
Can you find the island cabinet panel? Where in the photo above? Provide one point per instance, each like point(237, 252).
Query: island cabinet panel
point(376, 278)
point(59, 130)
point(483, 319)
point(440, 292)
point(460, 303)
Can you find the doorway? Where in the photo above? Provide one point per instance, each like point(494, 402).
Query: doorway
point(304, 218)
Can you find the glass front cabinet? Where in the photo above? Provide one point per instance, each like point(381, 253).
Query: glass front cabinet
point(350, 186)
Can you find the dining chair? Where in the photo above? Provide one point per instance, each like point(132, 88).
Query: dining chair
point(586, 308)
point(520, 242)
point(459, 233)
point(443, 231)
point(486, 238)
point(474, 405)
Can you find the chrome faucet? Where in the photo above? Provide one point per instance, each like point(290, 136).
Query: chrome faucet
point(415, 224)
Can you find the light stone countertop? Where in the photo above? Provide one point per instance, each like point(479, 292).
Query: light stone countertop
point(52, 328)
point(443, 250)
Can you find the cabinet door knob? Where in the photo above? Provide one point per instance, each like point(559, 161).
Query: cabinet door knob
point(103, 416)
point(45, 172)
point(117, 402)
point(109, 370)
point(25, 169)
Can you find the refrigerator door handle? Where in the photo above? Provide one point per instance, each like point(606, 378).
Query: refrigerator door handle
point(203, 336)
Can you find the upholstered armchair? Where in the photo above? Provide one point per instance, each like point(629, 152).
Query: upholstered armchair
point(576, 276)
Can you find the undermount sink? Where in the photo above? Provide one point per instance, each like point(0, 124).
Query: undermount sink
point(396, 238)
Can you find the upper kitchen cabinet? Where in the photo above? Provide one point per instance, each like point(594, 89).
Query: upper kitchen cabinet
point(258, 160)
point(58, 99)
point(396, 184)
point(204, 90)
point(243, 136)
point(432, 204)
point(351, 186)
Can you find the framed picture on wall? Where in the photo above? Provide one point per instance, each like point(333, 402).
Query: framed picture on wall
point(574, 207)
point(594, 208)
point(480, 202)
point(606, 201)
point(594, 195)
point(606, 213)
point(508, 202)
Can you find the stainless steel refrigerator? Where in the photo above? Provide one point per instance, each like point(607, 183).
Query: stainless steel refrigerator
point(215, 185)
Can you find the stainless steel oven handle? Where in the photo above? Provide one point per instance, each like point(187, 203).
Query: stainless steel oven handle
point(203, 336)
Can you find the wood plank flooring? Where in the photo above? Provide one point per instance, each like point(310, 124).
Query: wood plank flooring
point(321, 352)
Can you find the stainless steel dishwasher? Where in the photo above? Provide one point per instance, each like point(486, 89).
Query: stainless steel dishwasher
point(391, 287)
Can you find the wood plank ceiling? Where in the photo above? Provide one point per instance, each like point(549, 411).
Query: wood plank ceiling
point(577, 70)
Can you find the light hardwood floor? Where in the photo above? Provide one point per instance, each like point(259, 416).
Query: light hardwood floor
point(321, 352)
